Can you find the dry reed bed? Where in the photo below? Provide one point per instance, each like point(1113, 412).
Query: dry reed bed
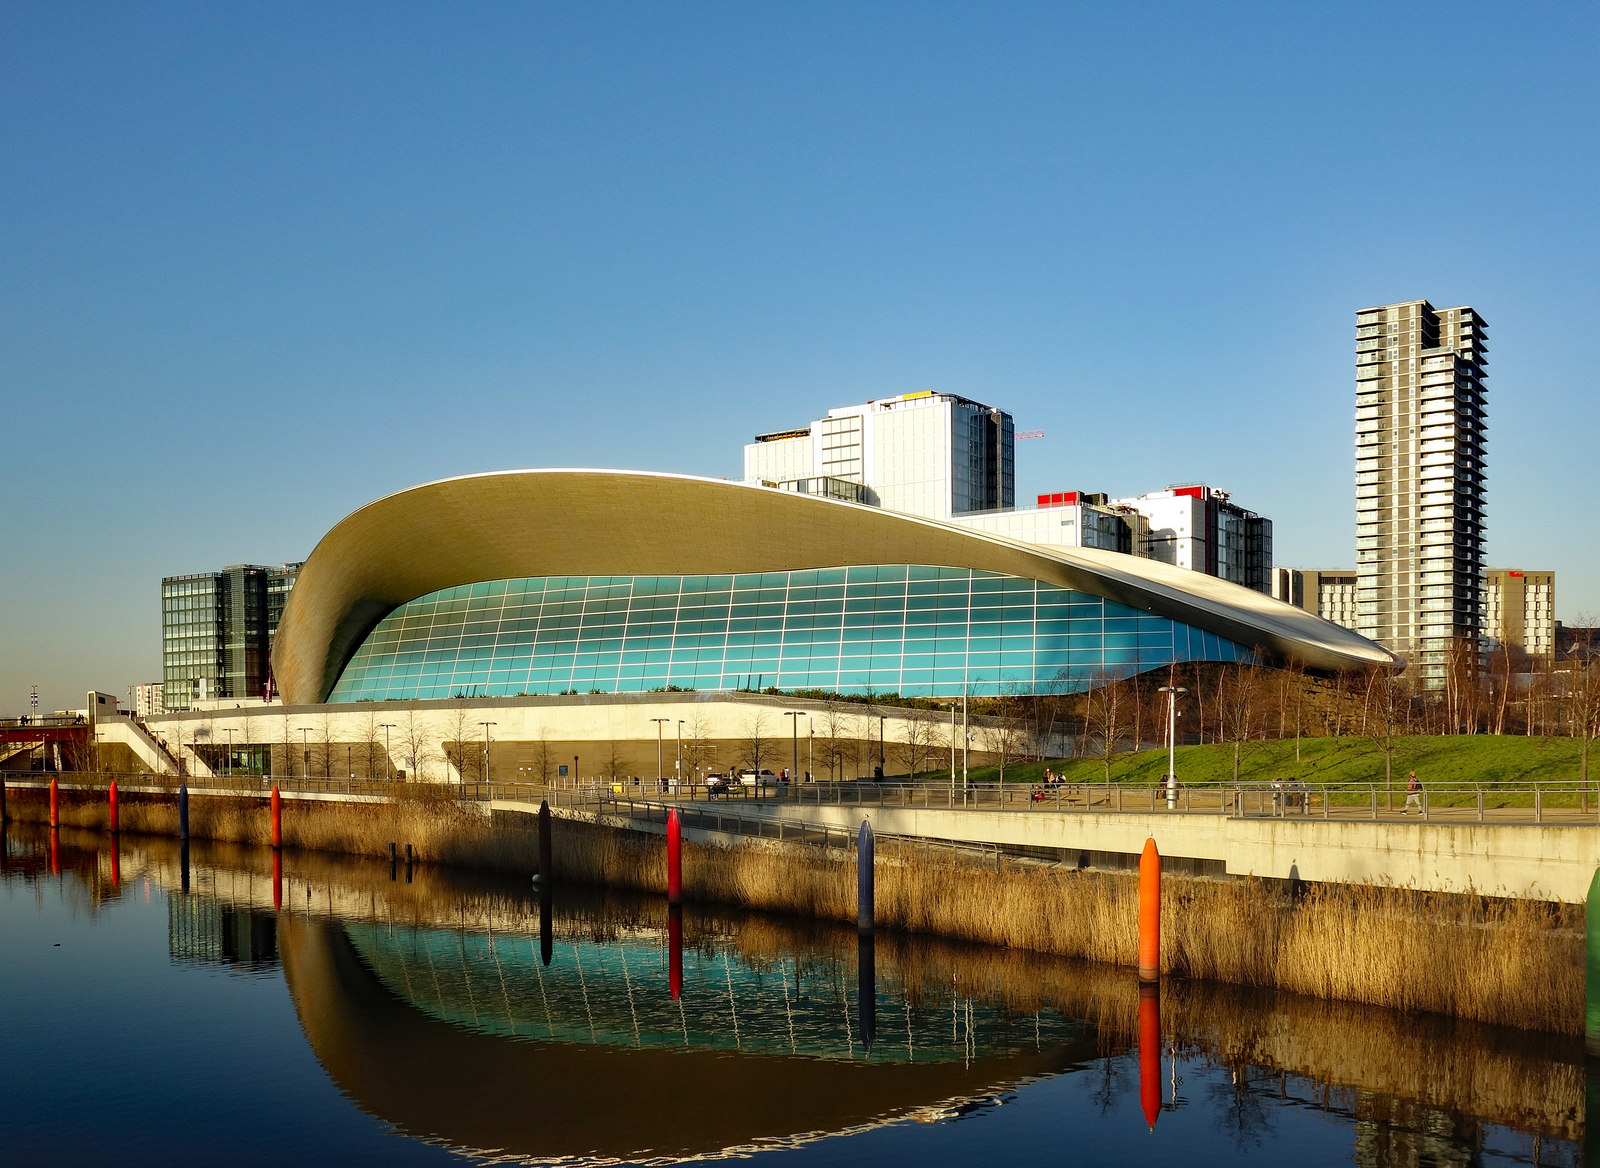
point(1512, 963)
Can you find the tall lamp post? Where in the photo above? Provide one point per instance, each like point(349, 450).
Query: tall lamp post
point(305, 751)
point(227, 765)
point(678, 766)
point(1172, 692)
point(794, 717)
point(660, 722)
point(486, 726)
point(388, 754)
point(883, 759)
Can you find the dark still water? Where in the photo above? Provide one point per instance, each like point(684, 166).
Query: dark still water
point(159, 1012)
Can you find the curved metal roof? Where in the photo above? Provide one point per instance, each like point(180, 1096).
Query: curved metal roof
point(511, 524)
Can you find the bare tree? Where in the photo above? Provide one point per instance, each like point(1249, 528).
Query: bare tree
point(544, 759)
point(919, 736)
point(416, 743)
point(1583, 691)
point(1006, 734)
point(699, 750)
point(614, 762)
point(1106, 713)
point(756, 748)
point(1239, 707)
point(455, 750)
point(836, 741)
point(1387, 699)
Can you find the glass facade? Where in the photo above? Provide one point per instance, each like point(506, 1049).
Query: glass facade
point(916, 631)
point(216, 631)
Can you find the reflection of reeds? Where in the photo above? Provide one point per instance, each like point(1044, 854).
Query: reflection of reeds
point(1514, 963)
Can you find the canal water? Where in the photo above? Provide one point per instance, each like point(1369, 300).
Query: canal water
point(209, 1005)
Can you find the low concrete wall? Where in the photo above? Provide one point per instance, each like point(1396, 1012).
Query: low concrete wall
point(1534, 861)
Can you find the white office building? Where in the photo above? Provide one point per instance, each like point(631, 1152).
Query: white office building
point(1328, 592)
point(931, 454)
point(1200, 528)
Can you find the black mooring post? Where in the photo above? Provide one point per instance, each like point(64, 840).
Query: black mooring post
point(867, 987)
point(545, 874)
point(864, 879)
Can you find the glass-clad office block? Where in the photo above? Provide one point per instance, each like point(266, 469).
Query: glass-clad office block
point(916, 631)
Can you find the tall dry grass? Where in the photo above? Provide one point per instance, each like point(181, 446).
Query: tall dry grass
point(1512, 963)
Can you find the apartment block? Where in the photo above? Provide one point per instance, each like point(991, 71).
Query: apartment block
point(1420, 425)
point(1328, 592)
point(932, 454)
point(1519, 613)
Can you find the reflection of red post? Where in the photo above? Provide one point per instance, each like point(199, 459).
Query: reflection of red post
point(277, 881)
point(277, 819)
point(675, 950)
point(1149, 912)
point(674, 858)
point(55, 853)
point(55, 804)
point(1150, 1051)
point(116, 864)
point(115, 811)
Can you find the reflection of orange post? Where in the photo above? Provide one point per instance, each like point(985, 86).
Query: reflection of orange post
point(114, 811)
point(675, 950)
point(55, 804)
point(1150, 1051)
point(674, 858)
point(277, 819)
point(1149, 912)
point(55, 853)
point(277, 881)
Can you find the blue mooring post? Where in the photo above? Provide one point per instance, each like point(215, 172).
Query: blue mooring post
point(864, 879)
point(183, 811)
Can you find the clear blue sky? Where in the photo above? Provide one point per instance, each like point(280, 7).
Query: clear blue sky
point(264, 263)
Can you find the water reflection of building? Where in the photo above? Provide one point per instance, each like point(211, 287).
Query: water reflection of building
point(207, 931)
point(616, 993)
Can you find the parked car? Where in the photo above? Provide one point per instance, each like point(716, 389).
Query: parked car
point(718, 784)
point(758, 779)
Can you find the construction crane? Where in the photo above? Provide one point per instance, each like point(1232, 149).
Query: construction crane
point(1021, 434)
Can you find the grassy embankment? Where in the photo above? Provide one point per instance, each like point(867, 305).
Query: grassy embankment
point(1442, 762)
point(1515, 963)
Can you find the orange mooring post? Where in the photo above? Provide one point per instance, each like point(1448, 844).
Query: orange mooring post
point(55, 804)
point(114, 812)
point(277, 819)
point(1149, 912)
point(1150, 1051)
point(674, 858)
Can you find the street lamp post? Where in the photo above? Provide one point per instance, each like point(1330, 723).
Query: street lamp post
point(883, 759)
point(678, 771)
point(486, 726)
point(227, 763)
point(388, 754)
point(305, 751)
point(659, 723)
point(1172, 692)
point(794, 717)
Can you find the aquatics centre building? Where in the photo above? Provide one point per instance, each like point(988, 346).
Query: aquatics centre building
point(575, 581)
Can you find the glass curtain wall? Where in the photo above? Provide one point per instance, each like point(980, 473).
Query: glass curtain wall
point(916, 631)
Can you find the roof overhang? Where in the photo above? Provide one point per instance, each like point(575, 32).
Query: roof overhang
point(512, 524)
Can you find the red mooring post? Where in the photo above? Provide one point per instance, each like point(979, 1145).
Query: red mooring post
point(1150, 1051)
point(114, 812)
point(675, 950)
point(277, 819)
point(55, 804)
point(1150, 912)
point(674, 858)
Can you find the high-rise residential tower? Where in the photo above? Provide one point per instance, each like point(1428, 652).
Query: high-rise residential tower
point(932, 454)
point(1420, 480)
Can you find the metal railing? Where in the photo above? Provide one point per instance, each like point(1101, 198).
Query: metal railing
point(1553, 803)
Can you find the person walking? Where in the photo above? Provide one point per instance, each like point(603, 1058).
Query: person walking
point(1413, 793)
